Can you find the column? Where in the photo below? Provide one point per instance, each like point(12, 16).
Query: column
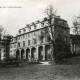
point(24, 57)
point(74, 48)
point(37, 52)
point(30, 55)
point(43, 52)
point(20, 53)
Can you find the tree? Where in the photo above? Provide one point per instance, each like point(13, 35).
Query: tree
point(48, 33)
point(76, 25)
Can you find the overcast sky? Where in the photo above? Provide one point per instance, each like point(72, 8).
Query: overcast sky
point(12, 19)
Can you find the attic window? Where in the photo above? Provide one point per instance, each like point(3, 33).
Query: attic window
point(24, 30)
point(45, 19)
point(38, 21)
point(29, 27)
point(42, 24)
point(19, 32)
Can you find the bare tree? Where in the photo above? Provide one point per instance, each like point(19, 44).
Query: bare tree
point(48, 33)
point(76, 25)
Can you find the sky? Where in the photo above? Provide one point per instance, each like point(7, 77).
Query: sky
point(15, 14)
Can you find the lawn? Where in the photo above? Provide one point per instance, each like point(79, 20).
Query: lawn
point(41, 72)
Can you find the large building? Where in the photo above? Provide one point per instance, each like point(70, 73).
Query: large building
point(29, 45)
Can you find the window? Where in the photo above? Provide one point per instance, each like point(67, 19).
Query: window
point(28, 34)
point(35, 26)
point(23, 36)
point(23, 43)
point(19, 32)
point(28, 42)
point(11, 40)
point(24, 30)
point(34, 33)
point(65, 39)
point(29, 28)
point(14, 45)
point(16, 39)
point(19, 44)
point(59, 37)
point(34, 41)
point(64, 31)
point(60, 48)
point(11, 46)
point(4, 55)
point(42, 39)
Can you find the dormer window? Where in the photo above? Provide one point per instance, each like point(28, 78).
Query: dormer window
point(29, 27)
point(11, 40)
point(24, 30)
point(42, 24)
point(34, 25)
point(45, 19)
point(19, 32)
point(38, 21)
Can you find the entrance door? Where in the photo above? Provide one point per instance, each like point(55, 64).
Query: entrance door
point(40, 53)
point(27, 53)
point(22, 53)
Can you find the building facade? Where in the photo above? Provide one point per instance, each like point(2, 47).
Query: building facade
point(29, 45)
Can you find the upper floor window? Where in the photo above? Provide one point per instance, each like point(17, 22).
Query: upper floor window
point(34, 41)
point(19, 44)
point(65, 39)
point(28, 34)
point(11, 40)
point(42, 39)
point(19, 37)
point(14, 45)
point(23, 36)
point(34, 33)
point(29, 42)
point(64, 31)
point(59, 38)
point(11, 46)
point(23, 43)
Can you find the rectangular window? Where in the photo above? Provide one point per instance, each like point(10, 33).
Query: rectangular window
point(59, 38)
point(23, 36)
point(28, 42)
point(42, 39)
point(19, 32)
point(34, 33)
point(19, 44)
point(34, 41)
point(28, 34)
point(11, 46)
point(14, 45)
point(65, 39)
point(23, 43)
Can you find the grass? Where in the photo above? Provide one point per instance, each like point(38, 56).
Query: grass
point(43, 72)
